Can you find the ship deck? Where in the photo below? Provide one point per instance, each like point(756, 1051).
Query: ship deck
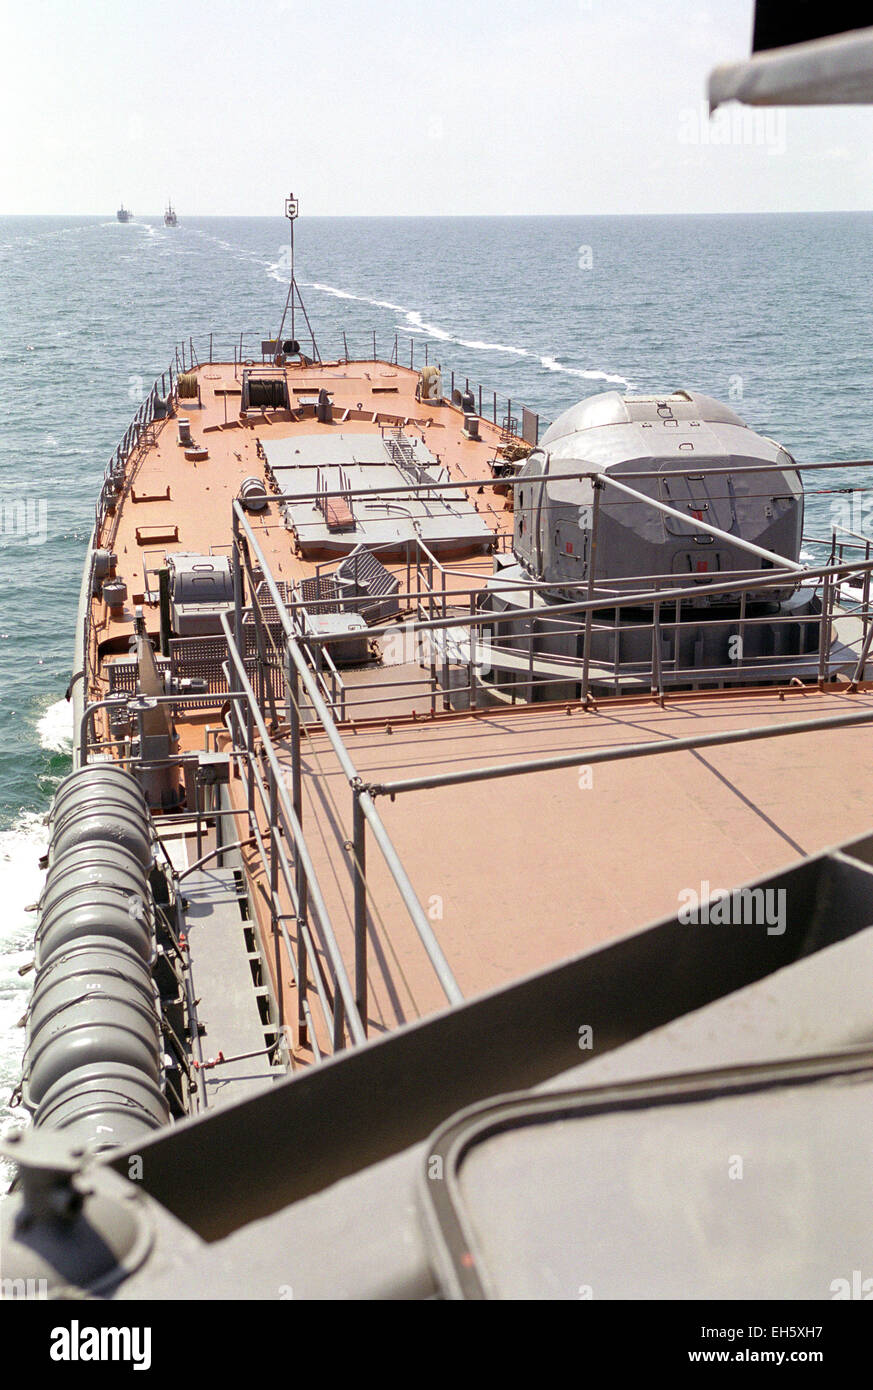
point(515, 875)
point(518, 874)
point(173, 504)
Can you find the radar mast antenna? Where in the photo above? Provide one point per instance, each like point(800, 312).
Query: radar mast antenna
point(291, 211)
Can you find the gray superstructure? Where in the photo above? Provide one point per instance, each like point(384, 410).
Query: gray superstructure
point(685, 450)
point(628, 496)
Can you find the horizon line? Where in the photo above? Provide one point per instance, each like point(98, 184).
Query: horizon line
point(456, 216)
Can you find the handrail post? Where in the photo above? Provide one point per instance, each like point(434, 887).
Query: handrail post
point(274, 860)
point(302, 989)
point(858, 675)
point(657, 680)
point(250, 748)
point(472, 660)
point(237, 584)
point(359, 850)
point(447, 702)
point(293, 705)
point(339, 1019)
point(294, 733)
point(530, 648)
point(597, 487)
point(824, 629)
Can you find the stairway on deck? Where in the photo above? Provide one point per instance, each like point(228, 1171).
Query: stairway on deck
point(222, 979)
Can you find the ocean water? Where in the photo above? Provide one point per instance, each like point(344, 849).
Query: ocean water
point(769, 313)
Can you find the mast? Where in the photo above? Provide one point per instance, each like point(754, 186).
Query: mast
point(292, 208)
point(294, 296)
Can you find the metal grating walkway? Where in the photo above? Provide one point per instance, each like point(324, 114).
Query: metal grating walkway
point(221, 974)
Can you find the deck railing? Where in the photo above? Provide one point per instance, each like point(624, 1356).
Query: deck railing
point(345, 1009)
point(660, 594)
point(260, 714)
point(428, 583)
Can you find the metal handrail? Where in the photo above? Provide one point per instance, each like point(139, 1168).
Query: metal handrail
point(279, 791)
point(764, 579)
point(305, 941)
point(401, 879)
point(430, 620)
point(618, 754)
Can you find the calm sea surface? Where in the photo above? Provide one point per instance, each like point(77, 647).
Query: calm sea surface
point(770, 313)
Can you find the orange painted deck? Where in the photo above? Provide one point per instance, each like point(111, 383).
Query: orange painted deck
point(520, 873)
point(173, 504)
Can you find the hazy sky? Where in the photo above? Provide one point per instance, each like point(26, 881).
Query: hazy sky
point(403, 107)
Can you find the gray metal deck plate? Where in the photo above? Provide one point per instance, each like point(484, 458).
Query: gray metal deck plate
point(303, 464)
point(221, 975)
point(302, 451)
point(643, 1200)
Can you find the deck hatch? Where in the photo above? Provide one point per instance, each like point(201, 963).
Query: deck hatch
point(359, 468)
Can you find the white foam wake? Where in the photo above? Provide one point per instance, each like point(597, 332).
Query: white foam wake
point(419, 325)
point(55, 728)
point(361, 298)
point(553, 365)
point(273, 269)
point(414, 323)
point(21, 881)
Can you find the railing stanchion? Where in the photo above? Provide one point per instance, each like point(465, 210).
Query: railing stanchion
point(339, 1020)
point(597, 486)
point(302, 988)
point(530, 649)
point(237, 583)
point(858, 675)
point(657, 680)
point(250, 748)
point(274, 856)
point(472, 644)
point(824, 629)
point(359, 848)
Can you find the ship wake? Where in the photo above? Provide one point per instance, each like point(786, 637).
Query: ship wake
point(21, 881)
point(415, 323)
